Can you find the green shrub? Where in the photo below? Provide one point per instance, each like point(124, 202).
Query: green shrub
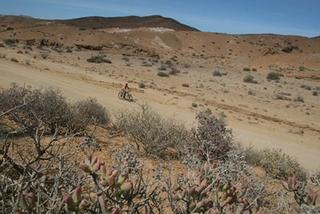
point(98, 59)
point(274, 76)
point(142, 85)
point(246, 69)
point(249, 79)
point(186, 85)
point(10, 42)
point(301, 68)
point(276, 163)
point(299, 99)
point(162, 74)
point(162, 68)
point(217, 73)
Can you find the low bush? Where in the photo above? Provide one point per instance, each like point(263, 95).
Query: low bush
point(299, 99)
point(87, 112)
point(14, 60)
point(48, 109)
point(162, 74)
point(153, 134)
point(186, 85)
point(246, 69)
point(276, 163)
point(274, 76)
point(10, 42)
point(162, 68)
point(174, 71)
point(142, 85)
point(217, 73)
point(249, 79)
point(99, 59)
point(211, 140)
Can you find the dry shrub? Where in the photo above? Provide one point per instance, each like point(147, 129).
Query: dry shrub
point(142, 85)
point(274, 76)
point(49, 109)
point(87, 112)
point(99, 59)
point(162, 74)
point(211, 139)
point(151, 132)
point(217, 73)
point(249, 79)
point(276, 163)
point(38, 107)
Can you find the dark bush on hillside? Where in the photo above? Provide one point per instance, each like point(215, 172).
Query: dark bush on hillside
point(49, 109)
point(10, 42)
point(276, 163)
point(42, 107)
point(274, 76)
point(211, 138)
point(217, 73)
point(174, 71)
point(142, 85)
point(151, 132)
point(98, 59)
point(87, 112)
point(249, 79)
point(162, 74)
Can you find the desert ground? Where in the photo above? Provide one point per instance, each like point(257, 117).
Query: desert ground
point(204, 70)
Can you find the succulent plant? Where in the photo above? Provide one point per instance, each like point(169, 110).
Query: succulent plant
point(74, 201)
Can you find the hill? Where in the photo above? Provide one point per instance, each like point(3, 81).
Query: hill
point(97, 22)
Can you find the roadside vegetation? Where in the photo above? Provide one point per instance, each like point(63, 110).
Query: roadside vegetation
point(42, 172)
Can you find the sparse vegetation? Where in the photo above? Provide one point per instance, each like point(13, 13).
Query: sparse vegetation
point(273, 76)
point(211, 139)
point(299, 99)
point(301, 68)
point(276, 163)
point(151, 132)
point(99, 59)
point(14, 60)
point(217, 73)
point(49, 109)
point(142, 85)
point(216, 176)
point(10, 42)
point(162, 74)
point(162, 68)
point(249, 79)
point(186, 85)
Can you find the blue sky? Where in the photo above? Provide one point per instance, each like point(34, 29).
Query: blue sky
point(298, 17)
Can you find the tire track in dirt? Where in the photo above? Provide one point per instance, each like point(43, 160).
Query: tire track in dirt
point(242, 111)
